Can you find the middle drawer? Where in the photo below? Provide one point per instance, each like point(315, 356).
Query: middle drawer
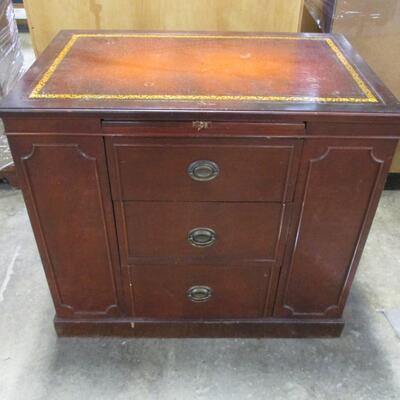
point(153, 232)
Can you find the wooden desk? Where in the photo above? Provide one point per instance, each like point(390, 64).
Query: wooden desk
point(200, 184)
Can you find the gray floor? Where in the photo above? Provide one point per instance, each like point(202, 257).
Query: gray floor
point(34, 364)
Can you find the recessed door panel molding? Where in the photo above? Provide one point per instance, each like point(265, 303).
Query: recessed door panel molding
point(66, 195)
point(336, 200)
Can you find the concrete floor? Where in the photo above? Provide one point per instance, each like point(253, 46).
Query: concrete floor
point(35, 364)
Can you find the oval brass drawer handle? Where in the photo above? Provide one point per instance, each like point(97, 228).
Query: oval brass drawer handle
point(202, 237)
point(199, 294)
point(203, 170)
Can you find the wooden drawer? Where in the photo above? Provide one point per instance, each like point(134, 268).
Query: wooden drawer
point(203, 169)
point(153, 232)
point(199, 292)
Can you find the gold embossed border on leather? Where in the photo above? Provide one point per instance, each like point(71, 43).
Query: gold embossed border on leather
point(369, 97)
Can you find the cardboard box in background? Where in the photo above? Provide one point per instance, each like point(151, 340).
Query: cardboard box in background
point(373, 28)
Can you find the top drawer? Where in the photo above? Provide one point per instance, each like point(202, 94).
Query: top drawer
point(214, 169)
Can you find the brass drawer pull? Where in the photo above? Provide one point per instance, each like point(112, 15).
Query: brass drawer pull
point(199, 294)
point(203, 170)
point(200, 125)
point(202, 237)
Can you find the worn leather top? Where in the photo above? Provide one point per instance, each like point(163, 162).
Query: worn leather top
point(108, 70)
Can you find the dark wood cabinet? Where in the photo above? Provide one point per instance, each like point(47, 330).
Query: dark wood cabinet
point(231, 196)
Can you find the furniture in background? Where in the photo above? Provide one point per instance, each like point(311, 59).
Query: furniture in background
point(241, 205)
point(47, 18)
point(20, 16)
point(373, 28)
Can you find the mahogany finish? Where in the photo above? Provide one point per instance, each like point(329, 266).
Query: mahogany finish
point(244, 231)
point(338, 192)
point(264, 170)
point(194, 185)
point(243, 295)
point(65, 184)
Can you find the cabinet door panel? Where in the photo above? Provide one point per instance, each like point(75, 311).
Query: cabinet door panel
point(66, 190)
point(336, 198)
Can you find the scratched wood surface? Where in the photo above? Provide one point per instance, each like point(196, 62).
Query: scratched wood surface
point(201, 67)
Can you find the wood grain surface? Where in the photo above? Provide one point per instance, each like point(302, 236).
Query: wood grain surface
point(46, 18)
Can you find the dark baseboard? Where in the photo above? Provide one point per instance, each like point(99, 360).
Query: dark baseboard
point(393, 182)
point(271, 327)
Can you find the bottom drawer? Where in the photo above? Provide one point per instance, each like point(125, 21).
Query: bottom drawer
point(194, 292)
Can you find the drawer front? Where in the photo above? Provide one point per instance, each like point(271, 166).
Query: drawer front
point(154, 232)
point(199, 292)
point(213, 170)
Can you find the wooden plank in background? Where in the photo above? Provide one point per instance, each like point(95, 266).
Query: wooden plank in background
point(396, 161)
point(46, 18)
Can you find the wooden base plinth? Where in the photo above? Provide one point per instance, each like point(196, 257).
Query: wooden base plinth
point(279, 328)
